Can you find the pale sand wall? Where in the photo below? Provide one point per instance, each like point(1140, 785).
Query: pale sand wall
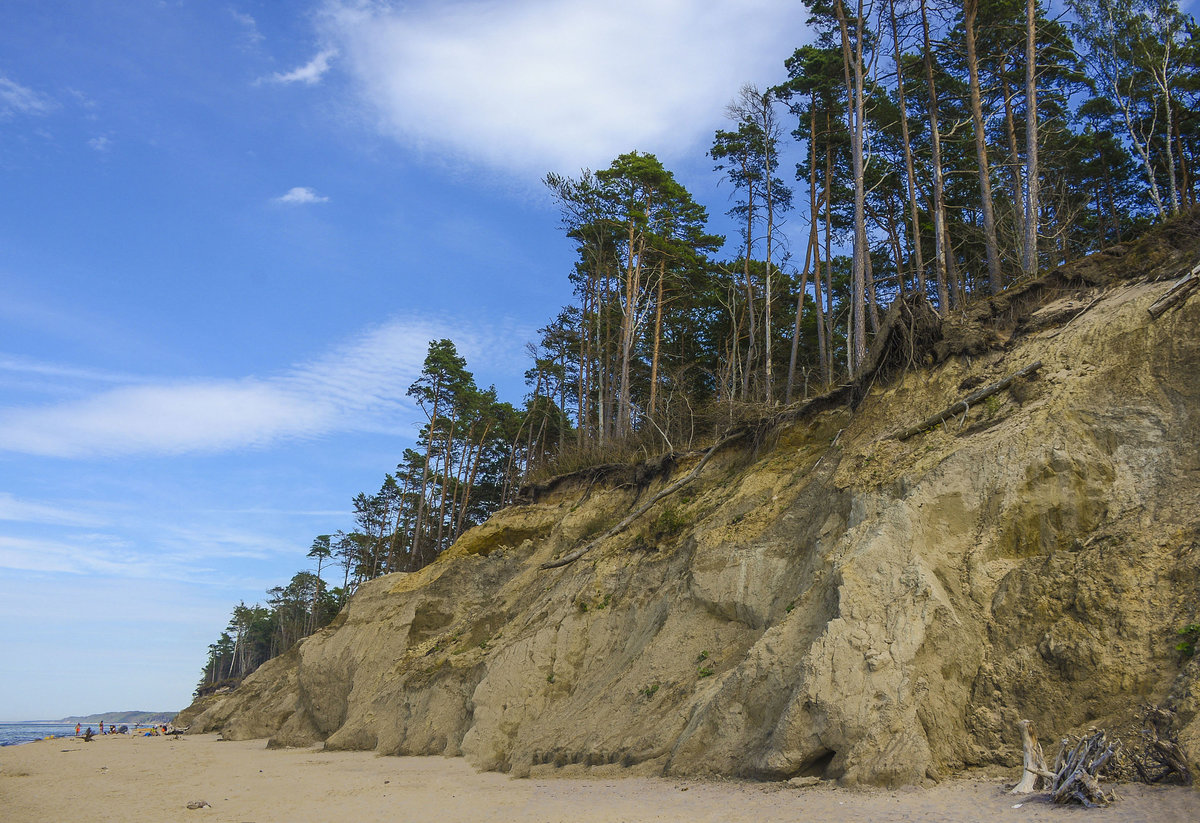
point(153, 779)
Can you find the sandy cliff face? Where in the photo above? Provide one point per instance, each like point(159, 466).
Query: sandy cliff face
point(830, 601)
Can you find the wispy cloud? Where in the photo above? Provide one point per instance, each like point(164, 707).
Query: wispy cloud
point(27, 511)
point(101, 144)
point(170, 418)
point(358, 386)
point(40, 368)
point(310, 73)
point(15, 98)
point(531, 85)
point(249, 26)
point(83, 556)
point(300, 195)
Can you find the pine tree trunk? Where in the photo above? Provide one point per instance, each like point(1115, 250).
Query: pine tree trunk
point(808, 253)
point(821, 342)
point(418, 544)
point(1029, 260)
point(633, 284)
point(970, 10)
point(852, 65)
point(908, 157)
point(749, 285)
point(768, 378)
point(1014, 158)
point(829, 319)
point(658, 312)
point(939, 205)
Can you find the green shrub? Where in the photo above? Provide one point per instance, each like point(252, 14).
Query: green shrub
point(668, 524)
point(1190, 634)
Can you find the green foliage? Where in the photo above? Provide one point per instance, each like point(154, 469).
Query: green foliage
point(649, 691)
point(669, 523)
point(601, 602)
point(1190, 635)
point(991, 405)
point(705, 671)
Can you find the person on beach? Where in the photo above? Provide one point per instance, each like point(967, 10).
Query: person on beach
point(77, 730)
point(101, 727)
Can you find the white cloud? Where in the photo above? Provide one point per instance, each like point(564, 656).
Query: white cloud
point(358, 386)
point(100, 144)
point(310, 73)
point(532, 85)
point(299, 195)
point(15, 98)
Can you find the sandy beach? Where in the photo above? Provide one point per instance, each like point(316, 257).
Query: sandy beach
point(121, 778)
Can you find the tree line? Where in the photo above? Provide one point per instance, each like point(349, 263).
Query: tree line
point(948, 149)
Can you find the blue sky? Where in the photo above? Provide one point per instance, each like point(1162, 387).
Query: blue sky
point(227, 234)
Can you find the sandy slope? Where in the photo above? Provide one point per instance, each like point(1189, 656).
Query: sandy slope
point(154, 779)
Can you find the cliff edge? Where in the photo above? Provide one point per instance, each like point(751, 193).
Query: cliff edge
point(824, 598)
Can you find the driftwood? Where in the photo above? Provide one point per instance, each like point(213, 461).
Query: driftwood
point(1177, 293)
point(1077, 769)
point(645, 507)
point(1160, 753)
point(1034, 773)
point(964, 405)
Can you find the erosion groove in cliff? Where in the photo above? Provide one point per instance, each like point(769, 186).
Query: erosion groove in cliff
point(833, 601)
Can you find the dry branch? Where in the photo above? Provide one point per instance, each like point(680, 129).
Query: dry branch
point(1077, 770)
point(964, 405)
point(1177, 293)
point(1159, 749)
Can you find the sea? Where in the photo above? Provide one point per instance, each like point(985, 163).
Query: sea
point(14, 733)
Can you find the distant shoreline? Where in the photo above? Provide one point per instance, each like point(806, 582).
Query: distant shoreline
point(120, 717)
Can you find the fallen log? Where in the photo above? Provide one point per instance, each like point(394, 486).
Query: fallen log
point(1177, 293)
point(964, 405)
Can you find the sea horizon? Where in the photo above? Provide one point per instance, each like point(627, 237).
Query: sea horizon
point(13, 733)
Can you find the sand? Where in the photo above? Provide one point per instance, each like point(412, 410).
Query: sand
point(119, 778)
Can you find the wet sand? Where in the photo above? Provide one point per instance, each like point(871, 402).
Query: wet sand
point(124, 779)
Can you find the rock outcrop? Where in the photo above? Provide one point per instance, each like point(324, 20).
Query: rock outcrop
point(828, 600)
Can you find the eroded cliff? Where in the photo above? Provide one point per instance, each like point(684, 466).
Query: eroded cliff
point(826, 599)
